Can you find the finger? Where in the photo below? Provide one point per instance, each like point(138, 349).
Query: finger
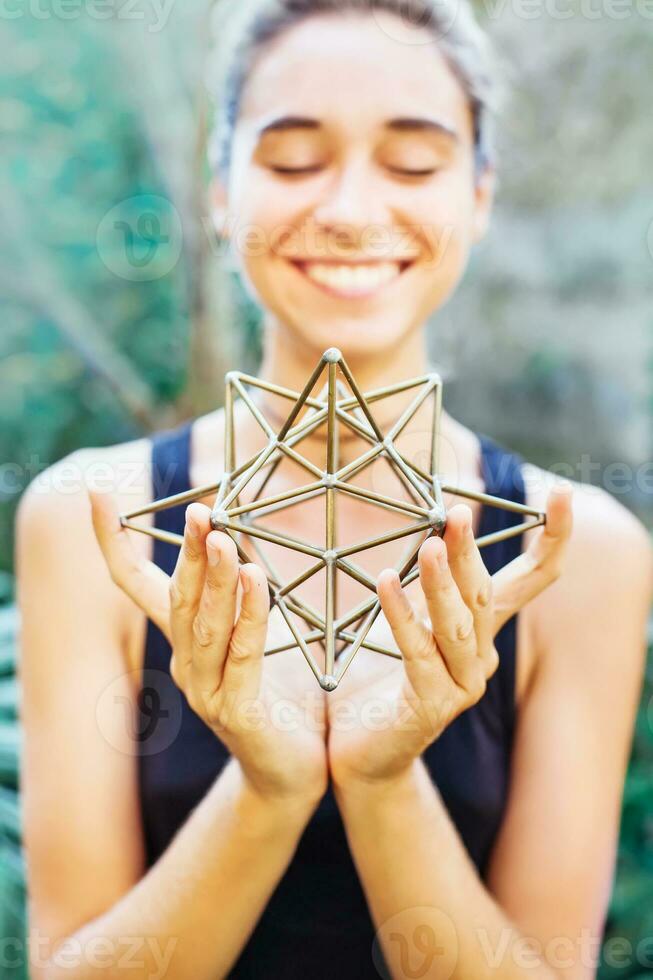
point(139, 578)
point(214, 621)
point(452, 623)
point(541, 564)
point(186, 586)
point(422, 662)
point(244, 663)
point(473, 580)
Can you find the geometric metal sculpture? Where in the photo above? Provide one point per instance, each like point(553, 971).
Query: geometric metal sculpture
point(339, 406)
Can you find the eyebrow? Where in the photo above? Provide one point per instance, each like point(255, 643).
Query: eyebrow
point(401, 124)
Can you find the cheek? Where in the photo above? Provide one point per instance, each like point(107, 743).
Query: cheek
point(259, 219)
point(443, 218)
point(445, 208)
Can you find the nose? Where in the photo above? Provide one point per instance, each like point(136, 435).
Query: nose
point(352, 203)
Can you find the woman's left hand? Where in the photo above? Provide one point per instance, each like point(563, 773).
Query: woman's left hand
point(379, 725)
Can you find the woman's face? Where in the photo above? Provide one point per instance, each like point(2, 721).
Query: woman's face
point(352, 203)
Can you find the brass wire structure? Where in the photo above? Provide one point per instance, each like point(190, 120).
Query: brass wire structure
point(334, 406)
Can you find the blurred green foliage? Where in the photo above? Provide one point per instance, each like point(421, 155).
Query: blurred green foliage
point(12, 863)
point(86, 356)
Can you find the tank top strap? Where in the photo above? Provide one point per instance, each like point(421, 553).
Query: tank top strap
point(502, 474)
point(170, 463)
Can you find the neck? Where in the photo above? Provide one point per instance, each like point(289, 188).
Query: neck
point(289, 363)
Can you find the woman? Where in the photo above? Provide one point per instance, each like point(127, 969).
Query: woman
point(450, 814)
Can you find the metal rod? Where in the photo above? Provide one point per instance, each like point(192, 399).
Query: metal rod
point(154, 532)
point(487, 498)
point(300, 579)
point(347, 636)
point(244, 480)
point(394, 389)
point(229, 440)
point(297, 407)
point(330, 539)
point(381, 499)
point(187, 496)
point(508, 532)
point(361, 399)
point(253, 407)
point(382, 539)
point(291, 502)
point(355, 464)
point(281, 604)
point(435, 428)
point(275, 389)
point(294, 494)
point(410, 411)
point(412, 479)
point(362, 633)
point(300, 460)
point(273, 538)
point(357, 573)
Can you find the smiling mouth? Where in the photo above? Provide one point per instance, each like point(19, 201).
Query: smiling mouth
point(352, 279)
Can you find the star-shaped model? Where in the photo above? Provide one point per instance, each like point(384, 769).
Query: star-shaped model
point(339, 405)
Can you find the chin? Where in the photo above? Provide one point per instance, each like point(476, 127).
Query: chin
point(357, 339)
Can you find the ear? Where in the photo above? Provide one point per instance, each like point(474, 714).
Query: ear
point(484, 199)
point(218, 207)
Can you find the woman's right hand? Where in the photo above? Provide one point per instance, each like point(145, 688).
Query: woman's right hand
point(218, 634)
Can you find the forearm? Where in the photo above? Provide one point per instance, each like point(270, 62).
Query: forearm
point(425, 896)
point(193, 911)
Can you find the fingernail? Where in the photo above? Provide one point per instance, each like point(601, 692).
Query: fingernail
point(396, 585)
point(213, 554)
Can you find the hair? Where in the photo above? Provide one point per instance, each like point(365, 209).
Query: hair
point(245, 27)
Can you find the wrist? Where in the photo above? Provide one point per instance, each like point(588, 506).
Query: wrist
point(381, 789)
point(293, 805)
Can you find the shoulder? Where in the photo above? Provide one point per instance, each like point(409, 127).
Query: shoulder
point(55, 540)
point(593, 617)
point(603, 528)
point(57, 498)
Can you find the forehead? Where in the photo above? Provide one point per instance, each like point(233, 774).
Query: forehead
point(351, 72)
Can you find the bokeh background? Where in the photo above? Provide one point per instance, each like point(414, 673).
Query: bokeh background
point(120, 312)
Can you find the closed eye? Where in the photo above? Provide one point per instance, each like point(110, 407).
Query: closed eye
point(297, 170)
point(414, 173)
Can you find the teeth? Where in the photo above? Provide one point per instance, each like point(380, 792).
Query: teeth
point(353, 278)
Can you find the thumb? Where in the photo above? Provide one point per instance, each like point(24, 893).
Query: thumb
point(143, 581)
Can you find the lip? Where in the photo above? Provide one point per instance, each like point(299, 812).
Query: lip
point(300, 266)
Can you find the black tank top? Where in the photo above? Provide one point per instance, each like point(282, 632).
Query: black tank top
point(316, 923)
